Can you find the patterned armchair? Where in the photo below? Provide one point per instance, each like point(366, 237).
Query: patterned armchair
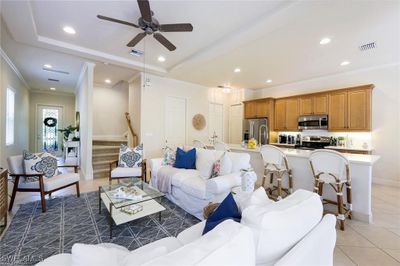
point(41, 183)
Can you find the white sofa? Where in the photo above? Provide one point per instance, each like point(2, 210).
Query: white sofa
point(190, 189)
point(289, 232)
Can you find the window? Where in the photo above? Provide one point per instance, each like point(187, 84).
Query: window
point(10, 117)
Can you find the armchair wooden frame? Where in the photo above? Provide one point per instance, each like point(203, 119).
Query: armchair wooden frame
point(41, 190)
point(115, 163)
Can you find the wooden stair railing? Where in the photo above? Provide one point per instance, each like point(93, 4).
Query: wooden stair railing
point(134, 137)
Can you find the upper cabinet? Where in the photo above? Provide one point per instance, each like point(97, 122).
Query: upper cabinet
point(286, 114)
point(314, 104)
point(258, 108)
point(350, 109)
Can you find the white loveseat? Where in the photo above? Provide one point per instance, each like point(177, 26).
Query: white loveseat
point(289, 232)
point(190, 188)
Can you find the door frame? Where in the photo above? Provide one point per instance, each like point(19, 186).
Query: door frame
point(186, 116)
point(223, 119)
point(37, 117)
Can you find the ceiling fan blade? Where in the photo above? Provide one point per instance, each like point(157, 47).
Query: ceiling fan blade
point(176, 27)
point(137, 39)
point(144, 7)
point(164, 41)
point(117, 21)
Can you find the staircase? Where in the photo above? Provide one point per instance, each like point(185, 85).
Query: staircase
point(104, 152)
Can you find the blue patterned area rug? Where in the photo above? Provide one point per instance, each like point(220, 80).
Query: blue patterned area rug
point(34, 236)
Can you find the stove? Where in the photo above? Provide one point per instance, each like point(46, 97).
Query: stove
point(313, 142)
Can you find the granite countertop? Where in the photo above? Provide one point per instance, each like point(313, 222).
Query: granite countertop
point(366, 159)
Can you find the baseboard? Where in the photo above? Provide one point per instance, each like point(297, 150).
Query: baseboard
point(386, 182)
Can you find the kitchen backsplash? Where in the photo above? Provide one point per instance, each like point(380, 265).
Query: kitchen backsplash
point(353, 139)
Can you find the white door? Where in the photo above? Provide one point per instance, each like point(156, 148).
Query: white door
point(175, 121)
point(216, 121)
point(236, 123)
point(49, 120)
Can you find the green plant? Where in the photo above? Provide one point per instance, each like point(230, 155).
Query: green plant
point(67, 131)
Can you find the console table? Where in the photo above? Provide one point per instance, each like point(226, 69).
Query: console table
point(71, 152)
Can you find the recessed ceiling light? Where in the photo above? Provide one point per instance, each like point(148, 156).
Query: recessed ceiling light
point(161, 58)
point(108, 81)
point(269, 80)
point(325, 41)
point(345, 63)
point(52, 89)
point(47, 66)
point(237, 70)
point(69, 30)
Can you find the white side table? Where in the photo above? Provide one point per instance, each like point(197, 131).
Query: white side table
point(71, 152)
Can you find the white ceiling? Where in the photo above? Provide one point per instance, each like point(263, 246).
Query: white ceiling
point(276, 40)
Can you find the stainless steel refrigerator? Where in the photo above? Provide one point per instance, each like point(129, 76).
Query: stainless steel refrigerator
point(256, 128)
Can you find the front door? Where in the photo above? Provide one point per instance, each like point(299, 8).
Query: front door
point(49, 120)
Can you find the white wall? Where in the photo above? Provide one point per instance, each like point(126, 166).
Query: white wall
point(385, 111)
point(66, 101)
point(9, 79)
point(109, 107)
point(84, 104)
point(153, 110)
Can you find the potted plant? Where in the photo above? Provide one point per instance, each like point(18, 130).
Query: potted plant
point(68, 132)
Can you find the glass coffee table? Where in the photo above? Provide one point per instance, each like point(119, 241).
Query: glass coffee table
point(127, 202)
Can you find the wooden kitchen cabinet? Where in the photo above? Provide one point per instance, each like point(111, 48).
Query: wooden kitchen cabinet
point(286, 114)
point(359, 110)
point(257, 108)
point(350, 109)
point(313, 104)
point(337, 110)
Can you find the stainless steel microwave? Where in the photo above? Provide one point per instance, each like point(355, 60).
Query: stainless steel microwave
point(313, 122)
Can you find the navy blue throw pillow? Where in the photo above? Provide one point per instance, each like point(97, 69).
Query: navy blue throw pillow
point(185, 160)
point(226, 210)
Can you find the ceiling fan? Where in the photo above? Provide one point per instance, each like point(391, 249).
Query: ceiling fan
point(151, 26)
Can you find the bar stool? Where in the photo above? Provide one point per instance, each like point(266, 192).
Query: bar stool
point(276, 165)
point(331, 167)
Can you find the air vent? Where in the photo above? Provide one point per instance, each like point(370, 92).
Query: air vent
point(55, 80)
point(367, 46)
point(136, 52)
point(56, 71)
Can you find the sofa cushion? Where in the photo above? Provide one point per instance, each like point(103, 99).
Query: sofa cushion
point(194, 186)
point(185, 160)
point(230, 243)
point(278, 226)
point(85, 255)
point(126, 172)
point(136, 257)
point(52, 183)
point(226, 210)
point(204, 162)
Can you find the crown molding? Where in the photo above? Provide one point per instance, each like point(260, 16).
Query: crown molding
point(13, 67)
point(58, 93)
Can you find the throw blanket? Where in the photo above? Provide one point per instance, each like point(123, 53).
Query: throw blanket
point(164, 178)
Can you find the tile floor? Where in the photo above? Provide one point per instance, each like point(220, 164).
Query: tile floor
point(359, 244)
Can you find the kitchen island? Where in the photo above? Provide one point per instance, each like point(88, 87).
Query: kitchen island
point(360, 172)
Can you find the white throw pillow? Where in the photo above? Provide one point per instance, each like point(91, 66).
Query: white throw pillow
point(221, 166)
point(88, 255)
point(239, 161)
point(204, 162)
point(130, 157)
point(257, 198)
point(39, 163)
point(278, 226)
